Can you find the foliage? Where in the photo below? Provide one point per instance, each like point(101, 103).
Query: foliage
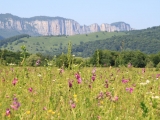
point(31, 60)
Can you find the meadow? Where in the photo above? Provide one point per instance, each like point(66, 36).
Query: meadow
point(45, 44)
point(102, 93)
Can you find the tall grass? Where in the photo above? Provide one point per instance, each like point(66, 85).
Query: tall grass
point(45, 93)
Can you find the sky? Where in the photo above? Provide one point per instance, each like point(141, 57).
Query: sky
point(140, 14)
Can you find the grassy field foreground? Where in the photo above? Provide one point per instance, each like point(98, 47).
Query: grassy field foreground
point(45, 93)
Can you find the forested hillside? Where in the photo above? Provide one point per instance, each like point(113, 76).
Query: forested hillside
point(147, 41)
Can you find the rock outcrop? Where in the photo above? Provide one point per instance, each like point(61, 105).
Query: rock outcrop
point(43, 25)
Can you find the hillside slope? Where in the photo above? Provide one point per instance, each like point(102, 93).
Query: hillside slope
point(53, 44)
point(147, 41)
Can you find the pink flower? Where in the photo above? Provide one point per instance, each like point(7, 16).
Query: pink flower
point(158, 75)
point(14, 82)
point(129, 90)
point(93, 71)
point(73, 105)
point(30, 89)
point(115, 98)
point(61, 71)
point(78, 77)
point(125, 81)
point(15, 105)
point(143, 70)
point(100, 96)
point(8, 112)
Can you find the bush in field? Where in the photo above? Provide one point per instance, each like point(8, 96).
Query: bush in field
point(158, 65)
point(62, 61)
point(31, 60)
point(150, 65)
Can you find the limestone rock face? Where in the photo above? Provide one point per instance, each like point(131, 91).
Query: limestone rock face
point(43, 25)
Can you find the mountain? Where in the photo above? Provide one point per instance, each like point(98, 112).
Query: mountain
point(43, 25)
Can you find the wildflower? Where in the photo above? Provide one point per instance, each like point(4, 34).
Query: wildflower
point(125, 81)
point(39, 75)
point(8, 112)
point(70, 83)
point(53, 112)
point(14, 82)
point(106, 85)
point(78, 77)
point(38, 62)
point(73, 105)
point(93, 71)
point(129, 90)
point(93, 77)
point(157, 76)
point(50, 111)
point(100, 96)
point(143, 83)
point(108, 94)
point(74, 95)
point(15, 105)
point(30, 89)
point(115, 98)
point(28, 112)
point(155, 97)
point(101, 102)
point(61, 71)
point(143, 70)
point(147, 81)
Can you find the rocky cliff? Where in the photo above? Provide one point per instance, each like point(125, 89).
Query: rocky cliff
point(43, 25)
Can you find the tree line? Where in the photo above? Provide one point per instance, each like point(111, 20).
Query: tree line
point(104, 58)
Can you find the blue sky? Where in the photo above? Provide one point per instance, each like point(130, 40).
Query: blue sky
point(140, 14)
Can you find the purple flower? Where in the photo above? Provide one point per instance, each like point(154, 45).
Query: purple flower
point(129, 90)
point(15, 105)
point(70, 83)
point(78, 77)
point(14, 81)
point(93, 77)
point(125, 81)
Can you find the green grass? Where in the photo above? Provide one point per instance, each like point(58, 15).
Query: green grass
point(52, 44)
point(51, 97)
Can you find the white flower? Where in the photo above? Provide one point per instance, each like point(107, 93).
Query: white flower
point(39, 75)
point(143, 83)
point(147, 81)
point(155, 97)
